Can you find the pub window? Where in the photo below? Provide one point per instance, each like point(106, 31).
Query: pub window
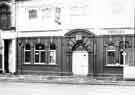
point(32, 14)
point(40, 54)
point(123, 45)
point(121, 57)
point(111, 55)
point(4, 17)
point(27, 54)
point(52, 53)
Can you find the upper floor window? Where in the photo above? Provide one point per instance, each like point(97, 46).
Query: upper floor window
point(57, 16)
point(32, 13)
point(4, 17)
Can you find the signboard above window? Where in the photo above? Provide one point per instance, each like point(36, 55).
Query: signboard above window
point(78, 37)
point(111, 48)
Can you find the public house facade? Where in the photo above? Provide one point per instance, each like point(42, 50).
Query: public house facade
point(67, 38)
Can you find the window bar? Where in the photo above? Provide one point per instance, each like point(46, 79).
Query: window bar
point(124, 51)
point(133, 49)
point(133, 44)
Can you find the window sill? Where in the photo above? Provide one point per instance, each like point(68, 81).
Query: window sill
point(42, 64)
point(113, 65)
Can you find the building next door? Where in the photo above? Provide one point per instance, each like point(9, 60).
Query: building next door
point(9, 65)
point(7, 46)
point(80, 62)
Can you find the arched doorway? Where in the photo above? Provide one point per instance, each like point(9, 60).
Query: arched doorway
point(80, 50)
point(79, 59)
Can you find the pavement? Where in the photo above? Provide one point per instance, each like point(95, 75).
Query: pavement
point(78, 80)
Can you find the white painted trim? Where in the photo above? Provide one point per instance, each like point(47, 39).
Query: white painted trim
point(3, 48)
point(10, 56)
point(8, 35)
point(39, 34)
point(61, 32)
point(14, 55)
point(5, 2)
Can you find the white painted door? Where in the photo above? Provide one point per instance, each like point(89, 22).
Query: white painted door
point(80, 62)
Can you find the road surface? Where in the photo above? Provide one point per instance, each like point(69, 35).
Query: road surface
point(13, 88)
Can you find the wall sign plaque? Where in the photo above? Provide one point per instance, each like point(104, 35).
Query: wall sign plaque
point(78, 37)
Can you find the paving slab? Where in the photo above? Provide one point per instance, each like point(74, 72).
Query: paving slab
point(65, 80)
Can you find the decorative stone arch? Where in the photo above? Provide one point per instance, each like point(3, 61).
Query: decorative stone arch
point(81, 39)
point(6, 3)
point(74, 31)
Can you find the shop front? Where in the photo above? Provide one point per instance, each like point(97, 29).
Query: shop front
point(38, 55)
point(77, 52)
point(71, 54)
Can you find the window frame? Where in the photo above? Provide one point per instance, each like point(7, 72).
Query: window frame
point(54, 57)
point(39, 58)
point(25, 50)
point(107, 57)
point(116, 58)
point(32, 15)
point(5, 23)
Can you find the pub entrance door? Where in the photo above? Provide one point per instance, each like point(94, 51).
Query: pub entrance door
point(80, 62)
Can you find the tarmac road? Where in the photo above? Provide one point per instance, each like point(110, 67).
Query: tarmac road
point(19, 88)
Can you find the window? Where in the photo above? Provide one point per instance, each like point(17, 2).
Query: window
point(115, 50)
point(40, 54)
point(123, 44)
point(47, 12)
point(110, 55)
point(32, 13)
point(52, 53)
point(27, 54)
point(121, 57)
point(4, 17)
point(57, 16)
